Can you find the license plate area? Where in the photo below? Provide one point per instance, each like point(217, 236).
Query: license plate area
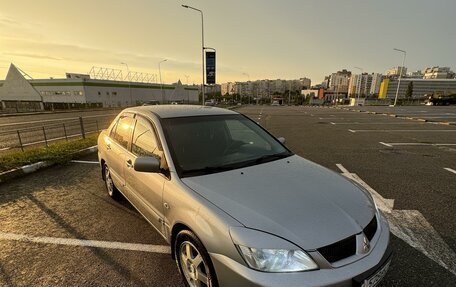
point(375, 279)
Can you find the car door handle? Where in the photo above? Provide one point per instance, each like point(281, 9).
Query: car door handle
point(129, 163)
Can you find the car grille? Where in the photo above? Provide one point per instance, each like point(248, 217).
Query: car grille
point(347, 247)
point(371, 228)
point(339, 250)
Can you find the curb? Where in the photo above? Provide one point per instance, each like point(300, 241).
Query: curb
point(30, 168)
point(406, 118)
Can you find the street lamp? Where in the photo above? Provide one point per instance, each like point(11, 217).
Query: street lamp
point(360, 82)
point(400, 73)
point(129, 82)
point(161, 83)
point(202, 45)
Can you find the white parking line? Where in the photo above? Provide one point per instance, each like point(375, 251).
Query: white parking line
point(450, 170)
point(385, 144)
point(412, 227)
point(387, 131)
point(380, 123)
point(85, 161)
point(87, 243)
point(417, 144)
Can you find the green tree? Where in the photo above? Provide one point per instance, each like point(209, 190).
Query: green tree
point(409, 92)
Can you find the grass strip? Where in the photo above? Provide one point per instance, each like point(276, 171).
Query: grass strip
point(60, 152)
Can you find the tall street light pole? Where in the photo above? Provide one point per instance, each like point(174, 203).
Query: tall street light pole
point(161, 83)
point(202, 46)
point(360, 82)
point(129, 82)
point(400, 73)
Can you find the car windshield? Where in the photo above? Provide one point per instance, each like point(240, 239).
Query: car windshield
point(209, 144)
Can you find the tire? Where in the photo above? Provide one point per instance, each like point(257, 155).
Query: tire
point(112, 190)
point(193, 261)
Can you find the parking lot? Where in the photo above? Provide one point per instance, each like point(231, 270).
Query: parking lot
point(58, 227)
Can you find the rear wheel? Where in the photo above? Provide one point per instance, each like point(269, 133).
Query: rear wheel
point(113, 192)
point(193, 261)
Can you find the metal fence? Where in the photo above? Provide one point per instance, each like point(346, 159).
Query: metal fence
point(47, 134)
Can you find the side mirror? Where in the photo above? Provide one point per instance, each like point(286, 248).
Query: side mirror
point(281, 139)
point(147, 164)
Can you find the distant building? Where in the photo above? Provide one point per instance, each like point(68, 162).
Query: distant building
point(364, 85)
point(338, 82)
point(375, 85)
point(415, 75)
point(395, 71)
point(438, 73)
point(79, 90)
point(421, 87)
point(264, 88)
point(306, 83)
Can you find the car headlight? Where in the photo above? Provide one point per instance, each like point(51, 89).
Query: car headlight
point(277, 260)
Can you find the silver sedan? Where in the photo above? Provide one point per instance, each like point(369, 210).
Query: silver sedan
point(237, 206)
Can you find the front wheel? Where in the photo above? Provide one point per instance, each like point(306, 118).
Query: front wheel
point(193, 261)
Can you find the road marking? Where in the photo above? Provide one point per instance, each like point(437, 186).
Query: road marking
point(332, 123)
point(87, 243)
point(412, 227)
point(54, 120)
point(385, 144)
point(342, 168)
point(380, 123)
point(85, 161)
point(417, 144)
point(382, 131)
point(450, 170)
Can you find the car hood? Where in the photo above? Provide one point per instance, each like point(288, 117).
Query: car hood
point(293, 198)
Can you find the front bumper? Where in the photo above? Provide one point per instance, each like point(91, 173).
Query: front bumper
point(232, 273)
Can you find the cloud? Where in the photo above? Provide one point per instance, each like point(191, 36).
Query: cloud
point(30, 55)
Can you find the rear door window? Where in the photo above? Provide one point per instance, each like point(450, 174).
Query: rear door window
point(121, 133)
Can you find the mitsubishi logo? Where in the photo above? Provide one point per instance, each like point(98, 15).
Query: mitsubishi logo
point(366, 244)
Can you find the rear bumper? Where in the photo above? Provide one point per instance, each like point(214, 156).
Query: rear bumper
point(232, 273)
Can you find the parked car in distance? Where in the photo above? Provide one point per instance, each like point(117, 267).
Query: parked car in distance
point(275, 103)
point(151, 103)
point(237, 207)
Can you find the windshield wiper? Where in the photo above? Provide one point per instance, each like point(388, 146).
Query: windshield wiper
point(271, 157)
point(207, 170)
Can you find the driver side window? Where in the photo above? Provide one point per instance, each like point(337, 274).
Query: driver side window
point(144, 142)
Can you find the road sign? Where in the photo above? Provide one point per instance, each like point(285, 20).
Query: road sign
point(210, 67)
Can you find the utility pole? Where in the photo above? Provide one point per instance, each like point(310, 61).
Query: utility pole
point(400, 73)
point(161, 83)
point(202, 46)
point(129, 82)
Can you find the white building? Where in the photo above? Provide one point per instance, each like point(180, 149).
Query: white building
point(395, 71)
point(360, 85)
point(438, 73)
point(78, 91)
point(377, 79)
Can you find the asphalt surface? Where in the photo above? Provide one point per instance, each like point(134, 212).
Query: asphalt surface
point(444, 114)
point(71, 202)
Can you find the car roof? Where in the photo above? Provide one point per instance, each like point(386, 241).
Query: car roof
point(176, 111)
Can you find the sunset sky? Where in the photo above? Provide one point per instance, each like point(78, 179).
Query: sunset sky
point(265, 39)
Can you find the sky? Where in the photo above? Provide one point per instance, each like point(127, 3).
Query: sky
point(254, 39)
